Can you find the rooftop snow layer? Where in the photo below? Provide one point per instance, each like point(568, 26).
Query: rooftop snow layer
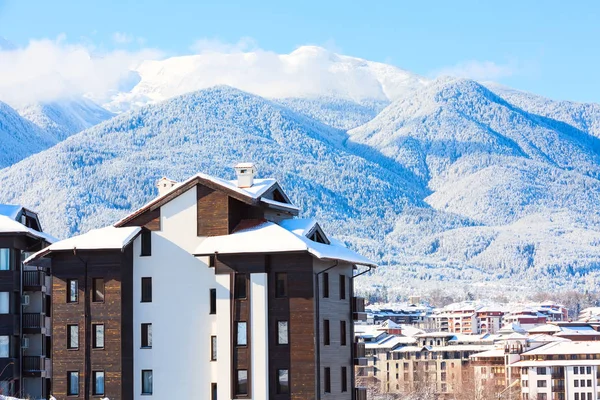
point(9, 225)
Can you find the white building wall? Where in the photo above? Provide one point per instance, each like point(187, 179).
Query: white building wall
point(222, 368)
point(259, 335)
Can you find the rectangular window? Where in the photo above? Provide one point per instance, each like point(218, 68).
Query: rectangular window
point(98, 287)
point(589, 396)
point(5, 260)
point(73, 383)
point(327, 380)
point(240, 286)
point(283, 381)
point(325, 285)
point(146, 243)
point(576, 383)
point(342, 287)
point(588, 370)
point(541, 370)
point(589, 383)
point(345, 379)
point(146, 336)
point(213, 391)
point(98, 377)
point(282, 332)
point(582, 370)
point(241, 333)
point(72, 290)
point(576, 395)
point(213, 348)
point(146, 290)
point(576, 370)
point(326, 337)
point(147, 381)
point(4, 302)
point(583, 383)
point(213, 301)
point(241, 384)
point(4, 346)
point(280, 284)
point(541, 384)
point(343, 333)
point(98, 342)
point(72, 336)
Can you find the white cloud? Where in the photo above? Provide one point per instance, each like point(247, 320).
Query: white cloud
point(211, 45)
point(122, 38)
point(46, 70)
point(481, 70)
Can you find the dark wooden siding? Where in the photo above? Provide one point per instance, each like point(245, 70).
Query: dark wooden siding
point(150, 220)
point(212, 209)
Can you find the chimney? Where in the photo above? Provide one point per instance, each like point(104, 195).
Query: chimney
point(245, 174)
point(164, 185)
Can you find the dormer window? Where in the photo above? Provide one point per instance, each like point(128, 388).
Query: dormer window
point(317, 237)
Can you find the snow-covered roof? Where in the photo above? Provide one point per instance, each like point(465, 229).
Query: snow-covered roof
point(9, 225)
point(390, 342)
point(107, 238)
point(489, 354)
point(563, 347)
point(269, 237)
point(544, 328)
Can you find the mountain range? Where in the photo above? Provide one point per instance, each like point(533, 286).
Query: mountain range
point(441, 181)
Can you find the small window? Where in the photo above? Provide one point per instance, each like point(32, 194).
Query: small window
point(98, 294)
point(5, 260)
point(582, 370)
point(325, 285)
point(577, 395)
point(73, 383)
point(72, 291)
point(343, 333)
point(326, 337)
point(146, 243)
point(589, 383)
point(213, 301)
point(98, 377)
point(541, 370)
point(345, 379)
point(4, 302)
point(241, 334)
point(147, 381)
point(98, 336)
point(282, 332)
point(4, 346)
point(146, 336)
point(241, 384)
point(240, 286)
point(146, 290)
point(283, 381)
point(72, 337)
point(541, 384)
point(281, 284)
point(342, 287)
point(213, 348)
point(213, 391)
point(588, 370)
point(327, 380)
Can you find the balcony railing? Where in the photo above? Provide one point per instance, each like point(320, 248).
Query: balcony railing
point(358, 309)
point(34, 280)
point(35, 323)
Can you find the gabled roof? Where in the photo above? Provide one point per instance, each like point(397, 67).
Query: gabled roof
point(11, 224)
point(268, 237)
point(107, 238)
point(251, 195)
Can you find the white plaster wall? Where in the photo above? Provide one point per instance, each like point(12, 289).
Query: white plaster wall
point(179, 311)
point(222, 368)
point(259, 335)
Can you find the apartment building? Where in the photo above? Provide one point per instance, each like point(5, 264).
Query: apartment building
point(213, 290)
point(25, 368)
point(469, 318)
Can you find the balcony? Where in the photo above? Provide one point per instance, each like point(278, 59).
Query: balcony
point(36, 323)
point(360, 393)
point(9, 324)
point(358, 309)
point(37, 366)
point(34, 281)
point(360, 358)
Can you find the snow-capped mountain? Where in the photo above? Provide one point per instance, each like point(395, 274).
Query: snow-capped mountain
point(62, 118)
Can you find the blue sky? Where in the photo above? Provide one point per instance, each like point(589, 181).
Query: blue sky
point(549, 47)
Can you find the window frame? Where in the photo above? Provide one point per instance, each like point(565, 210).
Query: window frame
point(69, 382)
point(281, 291)
point(326, 333)
point(237, 333)
point(343, 333)
point(327, 380)
point(287, 332)
point(146, 243)
point(238, 293)
point(344, 379)
point(95, 297)
point(212, 301)
point(95, 391)
point(69, 292)
point(325, 285)
point(70, 337)
point(9, 259)
point(213, 348)
point(146, 295)
point(8, 346)
point(238, 391)
point(146, 339)
point(280, 389)
point(342, 284)
point(144, 392)
point(7, 308)
point(96, 345)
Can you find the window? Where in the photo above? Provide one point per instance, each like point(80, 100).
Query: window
point(576, 370)
point(98, 336)
point(281, 284)
point(325, 285)
point(283, 381)
point(72, 336)
point(541, 371)
point(213, 348)
point(583, 383)
point(345, 379)
point(147, 381)
point(342, 287)
point(576, 383)
point(542, 396)
point(589, 396)
point(327, 380)
point(5, 259)
point(213, 301)
point(98, 294)
point(240, 286)
point(4, 346)
point(4, 302)
point(73, 383)
point(576, 395)
point(542, 383)
point(525, 383)
point(588, 370)
point(582, 370)
point(146, 290)
point(146, 336)
point(282, 332)
point(343, 333)
point(326, 338)
point(213, 391)
point(241, 333)
point(589, 383)
point(146, 243)
point(241, 384)
point(98, 377)
point(72, 290)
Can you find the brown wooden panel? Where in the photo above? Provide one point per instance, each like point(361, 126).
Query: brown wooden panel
point(212, 207)
point(149, 220)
